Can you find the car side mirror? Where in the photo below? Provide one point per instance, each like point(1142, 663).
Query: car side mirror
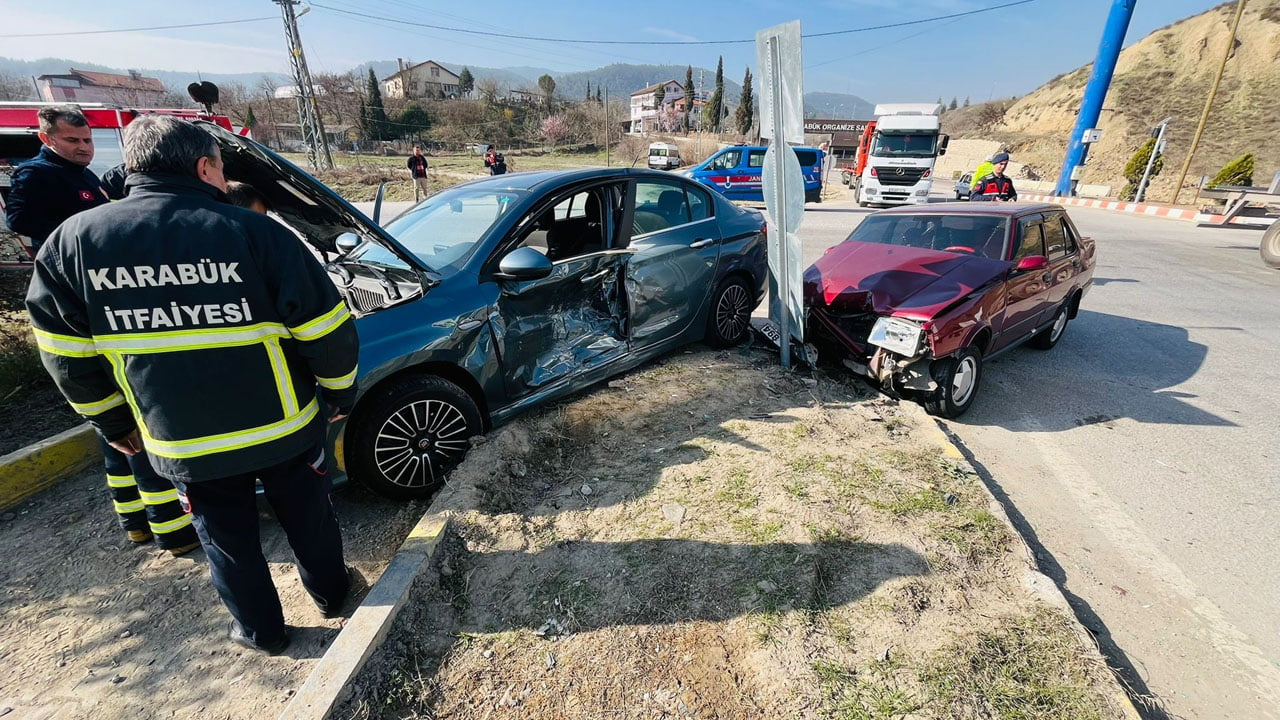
point(1032, 262)
point(347, 242)
point(523, 264)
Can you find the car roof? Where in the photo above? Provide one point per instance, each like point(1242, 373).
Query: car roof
point(536, 179)
point(971, 208)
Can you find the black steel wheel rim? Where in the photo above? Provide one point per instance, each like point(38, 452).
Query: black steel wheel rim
point(418, 443)
point(732, 312)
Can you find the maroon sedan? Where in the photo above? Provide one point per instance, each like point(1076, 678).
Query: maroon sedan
point(916, 298)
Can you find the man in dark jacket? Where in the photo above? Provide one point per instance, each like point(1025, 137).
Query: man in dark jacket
point(46, 191)
point(995, 186)
point(418, 169)
point(197, 332)
point(56, 183)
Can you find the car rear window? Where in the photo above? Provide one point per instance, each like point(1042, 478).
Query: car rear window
point(964, 234)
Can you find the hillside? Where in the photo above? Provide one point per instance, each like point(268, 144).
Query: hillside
point(1166, 74)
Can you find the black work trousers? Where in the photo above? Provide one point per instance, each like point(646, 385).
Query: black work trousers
point(226, 518)
point(145, 501)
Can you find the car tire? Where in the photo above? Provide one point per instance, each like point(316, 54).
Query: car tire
point(1269, 249)
point(958, 378)
point(1052, 333)
point(729, 320)
point(408, 434)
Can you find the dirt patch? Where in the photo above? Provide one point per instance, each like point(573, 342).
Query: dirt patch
point(32, 407)
point(92, 626)
point(713, 537)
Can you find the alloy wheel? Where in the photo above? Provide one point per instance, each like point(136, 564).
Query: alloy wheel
point(733, 312)
point(419, 442)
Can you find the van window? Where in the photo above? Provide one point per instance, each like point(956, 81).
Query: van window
point(727, 160)
point(755, 158)
point(108, 150)
point(808, 158)
point(657, 152)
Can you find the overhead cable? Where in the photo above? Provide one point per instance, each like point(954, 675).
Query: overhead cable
point(581, 41)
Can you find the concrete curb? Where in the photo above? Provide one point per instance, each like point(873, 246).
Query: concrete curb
point(329, 681)
point(25, 472)
point(1145, 209)
point(1040, 585)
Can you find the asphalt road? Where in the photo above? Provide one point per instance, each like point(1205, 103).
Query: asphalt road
point(1139, 455)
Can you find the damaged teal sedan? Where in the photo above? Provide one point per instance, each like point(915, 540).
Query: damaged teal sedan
point(504, 293)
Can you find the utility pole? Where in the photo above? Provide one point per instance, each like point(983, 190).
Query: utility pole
point(1095, 92)
point(1158, 149)
point(607, 160)
point(1208, 103)
point(309, 120)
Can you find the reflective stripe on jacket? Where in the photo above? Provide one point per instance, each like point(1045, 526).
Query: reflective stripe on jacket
point(990, 187)
point(205, 326)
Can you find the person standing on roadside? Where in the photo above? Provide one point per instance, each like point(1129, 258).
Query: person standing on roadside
point(46, 191)
point(418, 169)
point(196, 332)
point(494, 160)
point(995, 186)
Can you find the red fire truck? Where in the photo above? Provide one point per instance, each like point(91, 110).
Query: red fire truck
point(19, 143)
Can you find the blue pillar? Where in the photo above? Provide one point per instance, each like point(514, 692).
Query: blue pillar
point(1096, 91)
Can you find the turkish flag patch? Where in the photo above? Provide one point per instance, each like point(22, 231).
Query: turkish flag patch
point(86, 196)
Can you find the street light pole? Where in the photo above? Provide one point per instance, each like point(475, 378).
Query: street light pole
point(1151, 161)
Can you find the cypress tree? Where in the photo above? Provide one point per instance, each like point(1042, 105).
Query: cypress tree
point(746, 109)
point(688, 95)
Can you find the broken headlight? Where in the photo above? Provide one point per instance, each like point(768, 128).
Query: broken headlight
point(897, 336)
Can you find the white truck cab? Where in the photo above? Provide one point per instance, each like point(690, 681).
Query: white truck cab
point(907, 141)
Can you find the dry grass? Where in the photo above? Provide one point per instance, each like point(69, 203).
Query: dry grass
point(712, 537)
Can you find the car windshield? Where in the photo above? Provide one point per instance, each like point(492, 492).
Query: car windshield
point(982, 235)
point(896, 145)
point(443, 230)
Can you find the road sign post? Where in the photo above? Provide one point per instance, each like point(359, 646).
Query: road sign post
point(778, 57)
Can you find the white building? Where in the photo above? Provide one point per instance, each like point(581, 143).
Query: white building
point(645, 113)
point(425, 80)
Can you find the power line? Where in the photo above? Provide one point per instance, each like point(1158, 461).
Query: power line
point(511, 36)
point(137, 29)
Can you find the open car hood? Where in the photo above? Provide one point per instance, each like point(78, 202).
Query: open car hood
point(857, 277)
point(304, 202)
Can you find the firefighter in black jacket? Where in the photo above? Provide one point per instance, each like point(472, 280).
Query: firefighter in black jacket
point(995, 186)
point(46, 191)
point(197, 332)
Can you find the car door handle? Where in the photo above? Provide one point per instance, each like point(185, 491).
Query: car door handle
point(472, 324)
point(592, 278)
point(701, 243)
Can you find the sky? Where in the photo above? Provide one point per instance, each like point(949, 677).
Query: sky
point(994, 54)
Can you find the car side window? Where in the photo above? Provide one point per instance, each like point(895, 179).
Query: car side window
point(726, 160)
point(660, 204)
point(699, 204)
point(755, 158)
point(574, 226)
point(1055, 240)
point(1069, 233)
point(1031, 241)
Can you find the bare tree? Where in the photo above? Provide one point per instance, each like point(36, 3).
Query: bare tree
point(13, 87)
point(489, 90)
